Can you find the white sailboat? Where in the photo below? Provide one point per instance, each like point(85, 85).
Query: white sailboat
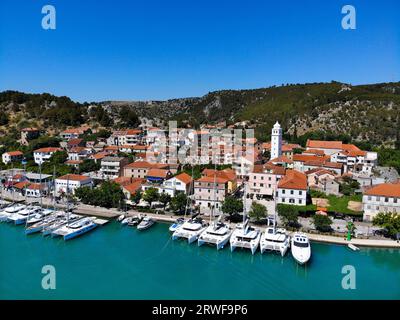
point(11, 210)
point(190, 229)
point(218, 232)
point(245, 236)
point(274, 239)
point(301, 248)
point(21, 216)
point(75, 229)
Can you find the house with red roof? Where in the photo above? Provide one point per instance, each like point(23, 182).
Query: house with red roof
point(68, 183)
point(383, 197)
point(44, 154)
point(292, 188)
point(12, 156)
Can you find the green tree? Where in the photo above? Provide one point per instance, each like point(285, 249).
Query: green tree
point(232, 206)
point(128, 117)
point(258, 211)
point(178, 202)
point(289, 214)
point(165, 198)
point(136, 197)
point(3, 118)
point(389, 221)
point(322, 222)
point(89, 165)
point(150, 195)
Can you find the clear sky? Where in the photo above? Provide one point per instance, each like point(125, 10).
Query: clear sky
point(131, 50)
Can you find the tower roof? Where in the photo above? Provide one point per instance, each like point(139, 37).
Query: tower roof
point(277, 125)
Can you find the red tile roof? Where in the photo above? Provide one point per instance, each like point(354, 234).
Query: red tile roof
point(318, 144)
point(211, 179)
point(14, 153)
point(293, 180)
point(47, 150)
point(73, 177)
point(385, 190)
point(184, 177)
point(134, 187)
point(158, 173)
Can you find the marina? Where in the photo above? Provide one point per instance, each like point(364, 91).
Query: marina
point(130, 254)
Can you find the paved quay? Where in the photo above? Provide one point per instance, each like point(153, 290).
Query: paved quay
point(168, 218)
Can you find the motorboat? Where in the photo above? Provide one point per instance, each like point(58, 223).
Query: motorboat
point(11, 210)
point(177, 224)
point(275, 240)
point(75, 229)
point(301, 248)
point(146, 223)
point(121, 217)
point(217, 233)
point(191, 230)
point(135, 220)
point(245, 236)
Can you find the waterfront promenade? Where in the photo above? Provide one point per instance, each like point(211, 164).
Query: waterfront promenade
point(169, 218)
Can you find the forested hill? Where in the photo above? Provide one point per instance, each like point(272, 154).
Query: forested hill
point(363, 112)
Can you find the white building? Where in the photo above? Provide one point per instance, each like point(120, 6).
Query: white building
point(69, 183)
point(180, 183)
point(12, 156)
point(384, 197)
point(292, 189)
point(112, 167)
point(276, 141)
point(44, 154)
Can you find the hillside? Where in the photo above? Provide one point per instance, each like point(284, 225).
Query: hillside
point(364, 112)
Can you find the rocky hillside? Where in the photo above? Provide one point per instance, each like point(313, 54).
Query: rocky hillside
point(364, 112)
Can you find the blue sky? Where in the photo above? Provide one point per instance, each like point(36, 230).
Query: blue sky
point(131, 50)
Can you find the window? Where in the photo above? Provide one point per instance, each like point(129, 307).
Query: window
point(369, 198)
point(291, 192)
point(300, 201)
point(283, 199)
point(283, 191)
point(300, 192)
point(291, 200)
point(386, 199)
point(395, 200)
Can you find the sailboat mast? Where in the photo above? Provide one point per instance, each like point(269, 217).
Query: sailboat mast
point(54, 188)
point(215, 187)
point(67, 199)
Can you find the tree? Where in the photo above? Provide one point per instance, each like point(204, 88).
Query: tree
point(322, 222)
point(164, 198)
point(136, 197)
point(128, 117)
point(150, 195)
point(389, 221)
point(258, 211)
point(108, 195)
point(232, 205)
point(289, 214)
point(178, 202)
point(3, 118)
point(89, 165)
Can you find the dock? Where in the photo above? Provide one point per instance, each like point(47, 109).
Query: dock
point(101, 222)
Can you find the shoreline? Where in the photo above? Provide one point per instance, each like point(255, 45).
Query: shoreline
point(167, 218)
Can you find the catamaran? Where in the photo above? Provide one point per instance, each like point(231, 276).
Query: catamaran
point(75, 229)
point(40, 225)
point(301, 248)
point(218, 232)
point(245, 236)
point(11, 210)
point(21, 216)
point(190, 229)
point(48, 230)
point(275, 240)
point(177, 224)
point(39, 216)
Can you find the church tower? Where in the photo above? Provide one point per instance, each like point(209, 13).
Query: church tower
point(276, 141)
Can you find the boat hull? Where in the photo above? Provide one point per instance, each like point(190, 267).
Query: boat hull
point(79, 232)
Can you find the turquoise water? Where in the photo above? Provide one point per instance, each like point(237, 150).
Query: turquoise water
point(114, 262)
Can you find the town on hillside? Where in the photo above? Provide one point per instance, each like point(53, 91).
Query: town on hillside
point(212, 169)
